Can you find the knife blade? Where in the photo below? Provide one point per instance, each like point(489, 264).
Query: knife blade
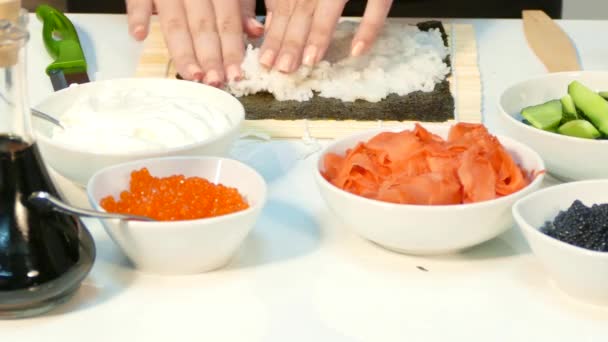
point(62, 43)
point(549, 42)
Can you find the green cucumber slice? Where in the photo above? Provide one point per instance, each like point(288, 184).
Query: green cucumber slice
point(591, 104)
point(546, 116)
point(569, 109)
point(579, 128)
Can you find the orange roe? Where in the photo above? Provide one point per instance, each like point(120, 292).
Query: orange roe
point(174, 198)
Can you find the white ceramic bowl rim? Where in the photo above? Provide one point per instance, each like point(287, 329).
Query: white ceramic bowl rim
point(545, 237)
point(445, 207)
point(566, 138)
point(209, 220)
point(144, 153)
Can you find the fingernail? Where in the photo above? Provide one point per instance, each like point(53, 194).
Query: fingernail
point(267, 58)
point(195, 72)
point(310, 55)
point(212, 78)
point(234, 73)
point(357, 49)
point(139, 32)
point(253, 22)
point(285, 63)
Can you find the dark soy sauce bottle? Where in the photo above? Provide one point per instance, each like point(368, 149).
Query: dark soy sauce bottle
point(44, 256)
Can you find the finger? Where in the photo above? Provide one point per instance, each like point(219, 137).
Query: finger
point(324, 23)
point(206, 42)
point(230, 29)
point(177, 35)
point(274, 35)
point(269, 4)
point(267, 20)
point(139, 12)
point(290, 54)
point(251, 25)
point(371, 24)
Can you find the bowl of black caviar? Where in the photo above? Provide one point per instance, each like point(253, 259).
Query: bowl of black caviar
point(566, 227)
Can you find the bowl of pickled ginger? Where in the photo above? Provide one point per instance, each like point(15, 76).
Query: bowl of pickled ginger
point(427, 189)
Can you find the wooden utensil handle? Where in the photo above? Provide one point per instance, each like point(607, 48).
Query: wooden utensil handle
point(549, 42)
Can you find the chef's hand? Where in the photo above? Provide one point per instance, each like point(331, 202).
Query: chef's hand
point(299, 31)
point(204, 37)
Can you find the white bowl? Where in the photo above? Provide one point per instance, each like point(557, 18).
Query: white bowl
point(68, 160)
point(567, 158)
point(420, 229)
point(182, 247)
point(579, 272)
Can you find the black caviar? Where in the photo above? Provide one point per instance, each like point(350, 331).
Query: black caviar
point(582, 226)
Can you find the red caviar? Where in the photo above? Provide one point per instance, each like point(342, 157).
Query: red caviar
point(174, 198)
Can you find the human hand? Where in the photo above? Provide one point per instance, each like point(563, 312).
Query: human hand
point(300, 31)
point(204, 37)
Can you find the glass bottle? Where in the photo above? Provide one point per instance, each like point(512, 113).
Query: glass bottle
point(44, 256)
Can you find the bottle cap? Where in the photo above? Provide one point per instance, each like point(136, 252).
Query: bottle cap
point(13, 32)
point(10, 10)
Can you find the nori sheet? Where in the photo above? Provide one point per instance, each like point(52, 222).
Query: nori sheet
point(435, 106)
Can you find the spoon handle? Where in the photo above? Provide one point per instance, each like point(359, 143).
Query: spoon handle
point(46, 117)
point(53, 203)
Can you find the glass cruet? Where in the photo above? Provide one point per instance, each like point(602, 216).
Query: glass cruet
point(44, 256)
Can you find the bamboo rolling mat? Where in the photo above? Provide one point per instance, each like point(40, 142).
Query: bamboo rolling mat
point(465, 85)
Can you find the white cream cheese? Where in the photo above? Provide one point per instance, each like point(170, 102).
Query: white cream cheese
point(125, 121)
point(403, 60)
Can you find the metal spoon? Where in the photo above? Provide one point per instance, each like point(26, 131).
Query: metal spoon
point(45, 201)
point(46, 117)
point(36, 113)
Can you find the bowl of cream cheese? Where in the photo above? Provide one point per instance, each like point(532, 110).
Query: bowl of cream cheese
point(120, 120)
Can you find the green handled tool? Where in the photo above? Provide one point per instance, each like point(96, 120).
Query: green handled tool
point(62, 43)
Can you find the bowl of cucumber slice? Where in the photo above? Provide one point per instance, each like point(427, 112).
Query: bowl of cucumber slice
point(564, 117)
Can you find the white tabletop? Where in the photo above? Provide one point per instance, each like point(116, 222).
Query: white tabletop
point(301, 275)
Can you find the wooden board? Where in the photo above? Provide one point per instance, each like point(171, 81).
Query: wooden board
point(465, 84)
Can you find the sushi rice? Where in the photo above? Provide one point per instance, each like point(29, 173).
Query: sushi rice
point(403, 60)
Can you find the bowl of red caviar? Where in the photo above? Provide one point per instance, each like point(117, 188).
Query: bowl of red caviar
point(202, 208)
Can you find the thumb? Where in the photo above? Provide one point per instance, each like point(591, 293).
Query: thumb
point(252, 27)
